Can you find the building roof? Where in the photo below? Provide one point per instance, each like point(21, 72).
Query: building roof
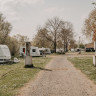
point(90, 45)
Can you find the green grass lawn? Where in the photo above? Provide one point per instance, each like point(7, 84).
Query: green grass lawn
point(87, 53)
point(82, 53)
point(85, 64)
point(13, 77)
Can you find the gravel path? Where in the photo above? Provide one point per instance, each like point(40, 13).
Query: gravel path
point(63, 79)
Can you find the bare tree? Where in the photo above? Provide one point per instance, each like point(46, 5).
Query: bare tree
point(94, 3)
point(40, 40)
point(59, 43)
point(13, 45)
point(73, 44)
point(55, 33)
point(52, 30)
point(66, 34)
point(21, 39)
point(90, 25)
point(5, 28)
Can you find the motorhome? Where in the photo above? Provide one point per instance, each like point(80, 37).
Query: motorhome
point(5, 55)
point(34, 51)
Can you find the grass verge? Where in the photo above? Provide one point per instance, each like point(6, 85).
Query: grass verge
point(85, 64)
point(82, 53)
point(15, 76)
point(87, 53)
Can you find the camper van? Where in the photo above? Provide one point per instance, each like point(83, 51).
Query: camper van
point(34, 51)
point(5, 55)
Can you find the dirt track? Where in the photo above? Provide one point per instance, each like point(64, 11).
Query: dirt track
point(62, 79)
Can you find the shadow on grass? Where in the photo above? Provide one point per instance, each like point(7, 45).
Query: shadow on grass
point(7, 63)
point(42, 68)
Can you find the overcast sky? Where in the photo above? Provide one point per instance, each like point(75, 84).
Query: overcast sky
point(26, 15)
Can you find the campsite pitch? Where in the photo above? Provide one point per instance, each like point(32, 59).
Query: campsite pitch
point(14, 76)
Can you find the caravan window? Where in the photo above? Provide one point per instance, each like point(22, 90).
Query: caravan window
point(33, 50)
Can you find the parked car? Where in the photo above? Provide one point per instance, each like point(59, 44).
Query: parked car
point(89, 50)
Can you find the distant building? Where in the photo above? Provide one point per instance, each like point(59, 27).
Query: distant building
point(89, 47)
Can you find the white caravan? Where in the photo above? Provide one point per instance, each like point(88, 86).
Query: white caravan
point(5, 55)
point(22, 51)
point(61, 50)
point(47, 51)
point(34, 51)
point(72, 50)
point(58, 51)
point(42, 51)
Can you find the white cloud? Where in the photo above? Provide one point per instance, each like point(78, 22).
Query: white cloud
point(32, 2)
point(15, 13)
point(3, 3)
point(54, 10)
point(8, 7)
point(25, 15)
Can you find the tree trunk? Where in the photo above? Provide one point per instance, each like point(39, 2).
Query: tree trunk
point(55, 47)
point(66, 47)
